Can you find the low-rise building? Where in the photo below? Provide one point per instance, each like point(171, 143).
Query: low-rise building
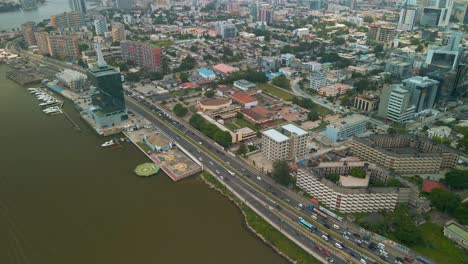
point(244, 99)
point(346, 128)
point(317, 80)
point(73, 79)
point(456, 232)
point(207, 74)
point(366, 102)
point(245, 85)
point(224, 69)
point(439, 131)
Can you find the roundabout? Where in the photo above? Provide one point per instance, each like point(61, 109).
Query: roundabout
point(146, 169)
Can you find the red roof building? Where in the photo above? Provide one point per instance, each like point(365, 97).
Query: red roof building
point(246, 100)
point(428, 186)
point(224, 68)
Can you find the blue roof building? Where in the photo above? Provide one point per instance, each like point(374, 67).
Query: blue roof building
point(207, 74)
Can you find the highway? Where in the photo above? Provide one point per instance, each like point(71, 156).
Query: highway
point(267, 206)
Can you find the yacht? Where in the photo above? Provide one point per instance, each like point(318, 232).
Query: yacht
point(108, 143)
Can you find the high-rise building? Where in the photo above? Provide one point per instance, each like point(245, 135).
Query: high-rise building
point(353, 4)
point(423, 92)
point(399, 107)
point(436, 12)
point(448, 55)
point(72, 21)
point(118, 32)
point(465, 18)
point(399, 67)
point(125, 4)
point(108, 101)
point(142, 54)
point(42, 40)
point(28, 30)
point(266, 15)
point(226, 29)
point(287, 142)
point(312, 4)
point(253, 10)
point(78, 5)
point(407, 18)
point(381, 33)
point(100, 25)
point(64, 46)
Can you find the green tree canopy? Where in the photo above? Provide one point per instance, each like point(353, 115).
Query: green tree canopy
point(281, 81)
point(242, 149)
point(444, 201)
point(334, 177)
point(209, 93)
point(358, 172)
point(457, 179)
point(282, 172)
point(180, 110)
point(313, 115)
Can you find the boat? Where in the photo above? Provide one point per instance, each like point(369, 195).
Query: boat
point(108, 143)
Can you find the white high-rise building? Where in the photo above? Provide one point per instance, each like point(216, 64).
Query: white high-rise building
point(100, 24)
point(399, 108)
point(77, 5)
point(407, 18)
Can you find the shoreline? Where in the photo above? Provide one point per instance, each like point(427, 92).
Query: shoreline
point(243, 209)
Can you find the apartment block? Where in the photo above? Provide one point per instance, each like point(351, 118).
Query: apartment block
point(118, 32)
point(28, 30)
point(72, 21)
point(287, 142)
point(142, 54)
point(405, 154)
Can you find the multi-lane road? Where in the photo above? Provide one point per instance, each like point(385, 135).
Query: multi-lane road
point(280, 216)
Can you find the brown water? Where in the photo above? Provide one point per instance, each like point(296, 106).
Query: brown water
point(65, 200)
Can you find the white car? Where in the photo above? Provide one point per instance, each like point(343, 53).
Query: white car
point(338, 245)
point(325, 237)
point(336, 227)
point(259, 178)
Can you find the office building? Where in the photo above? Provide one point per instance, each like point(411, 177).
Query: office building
point(64, 46)
point(312, 4)
point(287, 142)
point(366, 102)
point(287, 59)
point(398, 67)
point(436, 12)
point(72, 79)
point(407, 18)
point(423, 92)
point(78, 5)
point(317, 80)
point(142, 54)
point(71, 21)
point(108, 102)
point(100, 25)
point(346, 128)
point(405, 154)
point(125, 4)
point(226, 30)
point(266, 15)
point(354, 198)
point(118, 32)
point(395, 104)
point(448, 55)
point(268, 64)
point(253, 10)
point(28, 30)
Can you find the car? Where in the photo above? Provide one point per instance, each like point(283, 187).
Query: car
point(398, 262)
point(325, 237)
point(317, 246)
point(338, 245)
point(408, 259)
point(259, 178)
point(381, 246)
point(217, 171)
point(329, 259)
point(336, 227)
point(346, 237)
point(300, 205)
point(314, 216)
point(363, 261)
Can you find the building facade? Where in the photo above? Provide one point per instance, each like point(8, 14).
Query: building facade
point(287, 142)
point(407, 18)
point(142, 54)
point(100, 25)
point(266, 15)
point(423, 92)
point(348, 200)
point(366, 102)
point(73, 79)
point(64, 46)
point(405, 154)
point(78, 5)
point(118, 32)
point(71, 21)
point(346, 128)
point(125, 4)
point(28, 29)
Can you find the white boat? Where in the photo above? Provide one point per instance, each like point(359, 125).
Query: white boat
point(108, 143)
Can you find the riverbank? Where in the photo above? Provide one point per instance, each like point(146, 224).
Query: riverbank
point(257, 225)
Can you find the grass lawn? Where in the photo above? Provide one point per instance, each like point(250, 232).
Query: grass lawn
point(242, 123)
point(439, 248)
point(265, 87)
point(142, 145)
point(231, 126)
point(322, 111)
point(161, 43)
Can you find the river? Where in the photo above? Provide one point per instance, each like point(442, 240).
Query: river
point(14, 19)
point(64, 199)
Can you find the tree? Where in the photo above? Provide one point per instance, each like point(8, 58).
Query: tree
point(133, 77)
point(419, 48)
point(313, 115)
point(281, 81)
point(183, 76)
point(457, 179)
point(282, 173)
point(209, 93)
point(194, 48)
point(223, 138)
point(83, 47)
point(358, 172)
point(444, 201)
point(334, 177)
point(368, 19)
point(180, 110)
point(461, 213)
point(156, 76)
point(242, 149)
point(187, 63)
